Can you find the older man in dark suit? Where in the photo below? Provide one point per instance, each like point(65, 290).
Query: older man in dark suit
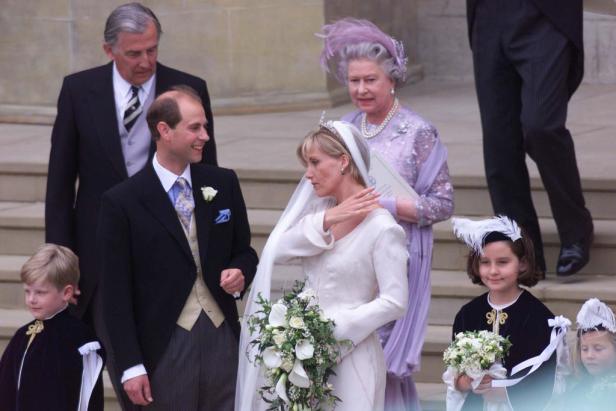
point(529, 59)
point(100, 136)
point(175, 244)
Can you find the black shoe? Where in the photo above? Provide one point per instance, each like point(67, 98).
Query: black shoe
point(573, 258)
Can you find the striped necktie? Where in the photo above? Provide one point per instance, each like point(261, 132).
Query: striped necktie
point(184, 202)
point(133, 109)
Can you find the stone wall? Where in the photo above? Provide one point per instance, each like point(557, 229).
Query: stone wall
point(255, 55)
point(444, 52)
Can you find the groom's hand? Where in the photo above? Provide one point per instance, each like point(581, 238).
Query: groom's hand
point(232, 280)
point(138, 390)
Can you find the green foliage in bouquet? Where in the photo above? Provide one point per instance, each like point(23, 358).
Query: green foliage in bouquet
point(473, 351)
point(297, 348)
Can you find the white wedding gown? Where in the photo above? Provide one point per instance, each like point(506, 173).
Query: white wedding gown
point(361, 283)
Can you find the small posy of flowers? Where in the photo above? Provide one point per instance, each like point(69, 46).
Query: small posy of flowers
point(474, 351)
point(208, 193)
point(296, 346)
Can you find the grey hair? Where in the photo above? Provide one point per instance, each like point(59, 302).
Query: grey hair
point(129, 18)
point(373, 52)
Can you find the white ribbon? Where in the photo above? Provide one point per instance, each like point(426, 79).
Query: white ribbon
point(559, 325)
point(92, 366)
point(455, 399)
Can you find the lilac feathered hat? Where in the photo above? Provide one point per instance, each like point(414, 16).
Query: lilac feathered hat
point(349, 31)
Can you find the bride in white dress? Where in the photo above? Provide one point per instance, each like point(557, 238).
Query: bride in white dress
point(353, 254)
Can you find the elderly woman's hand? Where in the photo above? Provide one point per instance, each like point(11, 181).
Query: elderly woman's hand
point(406, 209)
point(357, 205)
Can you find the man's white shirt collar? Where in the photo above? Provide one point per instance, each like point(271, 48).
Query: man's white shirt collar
point(166, 177)
point(122, 92)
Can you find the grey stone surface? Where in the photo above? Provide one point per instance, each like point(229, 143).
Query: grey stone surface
point(254, 55)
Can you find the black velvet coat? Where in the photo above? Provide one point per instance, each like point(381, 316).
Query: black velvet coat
point(529, 333)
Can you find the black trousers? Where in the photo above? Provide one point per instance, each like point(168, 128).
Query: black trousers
point(522, 63)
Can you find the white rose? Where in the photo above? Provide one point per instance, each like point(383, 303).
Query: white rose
point(277, 316)
point(208, 193)
point(296, 322)
point(304, 349)
point(272, 357)
point(279, 339)
point(298, 376)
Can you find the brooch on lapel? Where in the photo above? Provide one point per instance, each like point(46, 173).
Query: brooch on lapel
point(208, 193)
point(223, 216)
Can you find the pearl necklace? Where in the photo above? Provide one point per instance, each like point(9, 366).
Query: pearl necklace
point(377, 130)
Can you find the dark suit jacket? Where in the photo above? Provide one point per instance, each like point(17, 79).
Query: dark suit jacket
point(85, 147)
point(147, 267)
point(566, 16)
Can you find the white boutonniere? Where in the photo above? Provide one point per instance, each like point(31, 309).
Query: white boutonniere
point(208, 193)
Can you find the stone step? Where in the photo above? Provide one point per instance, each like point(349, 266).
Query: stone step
point(22, 227)
point(432, 395)
point(11, 289)
point(452, 289)
point(271, 189)
point(22, 231)
point(437, 339)
point(450, 254)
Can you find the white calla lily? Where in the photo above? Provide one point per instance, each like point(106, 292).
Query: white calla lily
point(281, 389)
point(277, 316)
point(272, 358)
point(304, 349)
point(298, 376)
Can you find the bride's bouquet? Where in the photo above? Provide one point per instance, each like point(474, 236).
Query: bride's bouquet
point(297, 348)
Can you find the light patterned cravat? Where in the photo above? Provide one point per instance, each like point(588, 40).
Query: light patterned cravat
point(184, 202)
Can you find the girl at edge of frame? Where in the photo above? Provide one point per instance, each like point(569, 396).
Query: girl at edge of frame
point(593, 383)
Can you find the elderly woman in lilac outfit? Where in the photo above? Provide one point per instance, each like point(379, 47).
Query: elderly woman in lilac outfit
point(371, 64)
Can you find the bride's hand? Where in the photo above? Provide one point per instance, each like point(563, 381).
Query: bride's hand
point(359, 204)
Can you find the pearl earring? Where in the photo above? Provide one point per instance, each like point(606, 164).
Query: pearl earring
point(341, 171)
point(392, 91)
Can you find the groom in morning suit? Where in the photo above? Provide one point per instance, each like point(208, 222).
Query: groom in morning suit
point(174, 255)
point(100, 137)
point(528, 57)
